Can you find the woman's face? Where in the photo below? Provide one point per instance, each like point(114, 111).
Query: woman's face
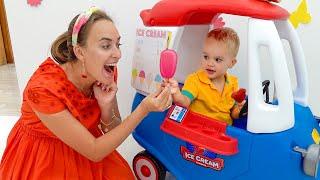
point(101, 52)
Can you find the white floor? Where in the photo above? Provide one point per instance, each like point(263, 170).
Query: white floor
point(9, 102)
point(7, 123)
point(9, 91)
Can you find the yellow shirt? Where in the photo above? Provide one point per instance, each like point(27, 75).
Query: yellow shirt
point(206, 99)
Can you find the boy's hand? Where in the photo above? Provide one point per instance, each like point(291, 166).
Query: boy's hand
point(173, 84)
point(239, 95)
point(242, 108)
point(236, 111)
point(240, 105)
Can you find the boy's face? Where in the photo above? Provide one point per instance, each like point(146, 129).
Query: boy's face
point(216, 58)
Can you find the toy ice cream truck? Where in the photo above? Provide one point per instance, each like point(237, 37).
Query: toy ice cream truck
point(279, 139)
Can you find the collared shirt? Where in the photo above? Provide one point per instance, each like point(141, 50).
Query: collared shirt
point(205, 97)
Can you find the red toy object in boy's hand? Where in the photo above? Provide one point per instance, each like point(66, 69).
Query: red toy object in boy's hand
point(239, 95)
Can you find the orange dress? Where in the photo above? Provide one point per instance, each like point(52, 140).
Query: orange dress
point(33, 152)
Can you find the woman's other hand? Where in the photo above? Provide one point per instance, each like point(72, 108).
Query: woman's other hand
point(105, 94)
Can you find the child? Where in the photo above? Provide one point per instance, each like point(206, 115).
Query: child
point(208, 90)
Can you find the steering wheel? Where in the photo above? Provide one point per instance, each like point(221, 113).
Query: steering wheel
point(265, 90)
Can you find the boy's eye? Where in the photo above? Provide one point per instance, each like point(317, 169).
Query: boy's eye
point(218, 60)
point(205, 57)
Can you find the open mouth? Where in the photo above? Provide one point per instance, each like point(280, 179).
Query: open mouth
point(109, 67)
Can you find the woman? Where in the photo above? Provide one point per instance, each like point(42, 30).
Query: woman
point(65, 102)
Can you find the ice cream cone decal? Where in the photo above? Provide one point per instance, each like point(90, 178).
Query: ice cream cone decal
point(149, 79)
point(134, 74)
point(158, 80)
point(142, 76)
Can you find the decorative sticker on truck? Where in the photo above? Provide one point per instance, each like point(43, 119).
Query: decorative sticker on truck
point(202, 157)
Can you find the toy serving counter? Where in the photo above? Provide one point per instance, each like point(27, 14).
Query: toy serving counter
point(199, 130)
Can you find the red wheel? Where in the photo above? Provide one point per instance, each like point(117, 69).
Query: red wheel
point(146, 167)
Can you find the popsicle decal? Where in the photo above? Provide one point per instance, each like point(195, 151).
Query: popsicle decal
point(158, 78)
point(149, 44)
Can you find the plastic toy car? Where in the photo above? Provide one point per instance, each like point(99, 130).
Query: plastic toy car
point(279, 139)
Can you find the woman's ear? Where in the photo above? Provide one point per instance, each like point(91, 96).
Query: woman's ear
point(78, 52)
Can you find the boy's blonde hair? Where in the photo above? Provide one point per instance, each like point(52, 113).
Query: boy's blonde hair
point(228, 36)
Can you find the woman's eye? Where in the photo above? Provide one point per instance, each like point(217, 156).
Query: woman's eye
point(118, 45)
point(106, 46)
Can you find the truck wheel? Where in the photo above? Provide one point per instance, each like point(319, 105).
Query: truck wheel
point(310, 159)
point(146, 167)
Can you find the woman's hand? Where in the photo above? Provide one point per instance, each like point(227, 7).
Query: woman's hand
point(158, 101)
point(105, 94)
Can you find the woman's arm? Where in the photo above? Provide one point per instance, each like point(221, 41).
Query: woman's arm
point(110, 116)
point(75, 135)
point(107, 101)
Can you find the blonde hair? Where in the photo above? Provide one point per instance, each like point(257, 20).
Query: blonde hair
point(226, 35)
point(62, 49)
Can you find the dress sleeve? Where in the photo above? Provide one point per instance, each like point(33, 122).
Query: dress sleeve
point(42, 100)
